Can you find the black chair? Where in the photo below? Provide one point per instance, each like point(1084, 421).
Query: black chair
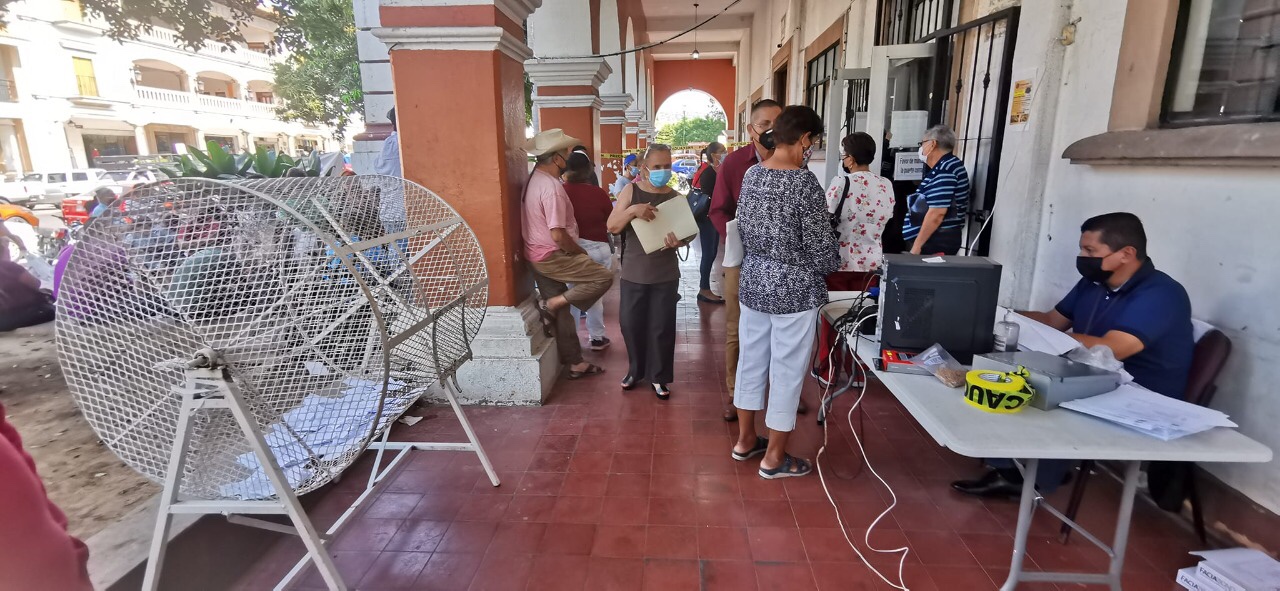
point(1211, 353)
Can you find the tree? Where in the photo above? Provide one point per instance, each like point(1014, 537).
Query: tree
point(700, 129)
point(319, 80)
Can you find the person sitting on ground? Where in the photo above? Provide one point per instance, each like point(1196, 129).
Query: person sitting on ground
point(788, 249)
point(1121, 302)
point(36, 550)
point(864, 202)
point(650, 282)
point(591, 209)
point(626, 177)
point(21, 301)
point(937, 211)
point(550, 235)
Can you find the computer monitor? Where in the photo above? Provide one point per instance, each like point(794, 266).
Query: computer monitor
point(949, 300)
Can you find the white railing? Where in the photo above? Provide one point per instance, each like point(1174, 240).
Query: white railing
point(202, 102)
point(164, 97)
point(242, 53)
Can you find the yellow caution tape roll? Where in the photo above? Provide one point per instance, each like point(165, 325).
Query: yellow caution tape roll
point(998, 391)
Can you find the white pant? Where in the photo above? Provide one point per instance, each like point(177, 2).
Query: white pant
point(599, 252)
point(773, 351)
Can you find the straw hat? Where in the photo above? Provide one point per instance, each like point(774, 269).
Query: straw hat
point(551, 140)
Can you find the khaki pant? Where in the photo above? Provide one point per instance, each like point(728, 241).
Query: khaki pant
point(731, 313)
point(590, 282)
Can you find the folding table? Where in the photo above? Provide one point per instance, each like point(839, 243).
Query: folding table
point(1060, 434)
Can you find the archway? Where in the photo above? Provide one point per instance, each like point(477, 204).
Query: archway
point(699, 110)
point(717, 78)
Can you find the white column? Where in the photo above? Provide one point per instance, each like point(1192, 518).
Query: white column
point(140, 138)
point(12, 148)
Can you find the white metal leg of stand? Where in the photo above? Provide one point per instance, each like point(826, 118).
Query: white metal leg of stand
point(1026, 507)
point(216, 393)
point(401, 449)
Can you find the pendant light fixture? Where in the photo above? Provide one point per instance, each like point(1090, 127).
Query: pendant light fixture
point(695, 54)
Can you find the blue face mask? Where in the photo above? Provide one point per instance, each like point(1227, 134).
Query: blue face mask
point(634, 170)
point(659, 178)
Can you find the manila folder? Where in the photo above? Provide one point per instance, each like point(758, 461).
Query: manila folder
point(673, 216)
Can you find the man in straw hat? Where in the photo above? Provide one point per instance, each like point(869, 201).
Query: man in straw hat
point(565, 274)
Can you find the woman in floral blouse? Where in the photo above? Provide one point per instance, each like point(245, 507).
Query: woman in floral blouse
point(788, 250)
point(868, 206)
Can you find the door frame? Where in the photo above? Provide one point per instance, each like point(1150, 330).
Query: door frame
point(877, 102)
point(835, 115)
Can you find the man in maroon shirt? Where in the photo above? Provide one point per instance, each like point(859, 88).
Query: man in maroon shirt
point(36, 552)
point(724, 208)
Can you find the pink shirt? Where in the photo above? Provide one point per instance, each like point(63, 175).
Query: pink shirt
point(546, 207)
point(869, 206)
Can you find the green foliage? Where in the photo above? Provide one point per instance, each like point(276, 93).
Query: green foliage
point(528, 100)
point(216, 163)
point(685, 131)
point(319, 81)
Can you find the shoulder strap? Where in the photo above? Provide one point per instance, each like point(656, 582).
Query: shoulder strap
point(844, 196)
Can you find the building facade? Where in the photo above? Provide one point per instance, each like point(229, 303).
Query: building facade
point(1064, 109)
point(72, 98)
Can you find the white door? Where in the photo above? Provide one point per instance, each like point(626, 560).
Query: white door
point(899, 102)
point(846, 113)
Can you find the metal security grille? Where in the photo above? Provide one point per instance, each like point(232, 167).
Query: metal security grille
point(972, 81)
point(910, 21)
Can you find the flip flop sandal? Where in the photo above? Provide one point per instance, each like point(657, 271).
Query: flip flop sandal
point(591, 370)
point(707, 300)
point(762, 444)
point(548, 318)
point(785, 469)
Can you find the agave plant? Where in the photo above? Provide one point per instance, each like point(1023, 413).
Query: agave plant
point(216, 163)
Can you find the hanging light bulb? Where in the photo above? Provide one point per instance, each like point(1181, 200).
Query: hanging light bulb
point(695, 54)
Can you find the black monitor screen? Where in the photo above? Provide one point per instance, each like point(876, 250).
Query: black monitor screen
point(952, 303)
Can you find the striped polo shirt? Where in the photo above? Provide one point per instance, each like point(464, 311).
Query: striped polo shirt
point(944, 185)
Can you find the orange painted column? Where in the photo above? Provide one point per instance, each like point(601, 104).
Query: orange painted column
point(612, 121)
point(567, 96)
point(466, 151)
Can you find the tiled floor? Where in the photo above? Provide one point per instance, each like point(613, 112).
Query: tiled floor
point(605, 489)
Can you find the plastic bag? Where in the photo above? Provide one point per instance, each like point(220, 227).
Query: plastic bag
point(942, 365)
point(1101, 357)
point(40, 269)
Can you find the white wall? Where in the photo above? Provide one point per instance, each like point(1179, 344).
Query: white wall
point(1208, 227)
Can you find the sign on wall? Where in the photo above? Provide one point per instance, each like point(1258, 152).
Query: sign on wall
point(907, 166)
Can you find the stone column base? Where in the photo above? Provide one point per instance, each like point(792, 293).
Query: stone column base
point(513, 363)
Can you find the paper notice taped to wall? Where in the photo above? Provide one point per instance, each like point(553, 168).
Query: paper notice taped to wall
point(1020, 106)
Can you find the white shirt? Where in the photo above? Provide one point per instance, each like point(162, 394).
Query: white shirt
point(388, 162)
point(867, 209)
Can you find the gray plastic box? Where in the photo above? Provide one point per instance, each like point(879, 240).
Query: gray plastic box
point(1056, 379)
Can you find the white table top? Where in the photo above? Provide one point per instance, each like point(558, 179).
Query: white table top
point(1055, 434)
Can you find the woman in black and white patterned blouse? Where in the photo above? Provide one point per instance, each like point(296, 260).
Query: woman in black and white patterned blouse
point(788, 250)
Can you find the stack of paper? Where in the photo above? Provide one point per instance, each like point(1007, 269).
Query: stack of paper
point(1233, 569)
point(1147, 412)
point(1036, 336)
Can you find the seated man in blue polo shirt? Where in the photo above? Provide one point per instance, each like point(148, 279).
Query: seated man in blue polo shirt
point(1123, 302)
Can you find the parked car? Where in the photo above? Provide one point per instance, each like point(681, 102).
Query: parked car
point(16, 190)
point(60, 184)
point(22, 223)
point(685, 167)
point(134, 177)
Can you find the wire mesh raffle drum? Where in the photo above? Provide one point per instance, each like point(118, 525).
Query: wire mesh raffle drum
point(335, 302)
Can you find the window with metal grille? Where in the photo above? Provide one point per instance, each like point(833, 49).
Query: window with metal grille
point(911, 21)
point(818, 75)
point(1226, 63)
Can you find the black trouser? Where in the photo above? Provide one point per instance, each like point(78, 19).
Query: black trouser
point(647, 316)
point(32, 316)
point(709, 240)
point(941, 241)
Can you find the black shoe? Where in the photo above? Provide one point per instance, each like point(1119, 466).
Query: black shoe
point(600, 344)
point(661, 391)
point(993, 484)
point(628, 382)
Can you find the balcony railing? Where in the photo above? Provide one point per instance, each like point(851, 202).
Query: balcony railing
point(242, 53)
point(162, 97)
point(8, 92)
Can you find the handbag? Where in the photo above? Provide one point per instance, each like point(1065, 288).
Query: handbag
point(700, 204)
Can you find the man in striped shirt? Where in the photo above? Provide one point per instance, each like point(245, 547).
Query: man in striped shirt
point(937, 211)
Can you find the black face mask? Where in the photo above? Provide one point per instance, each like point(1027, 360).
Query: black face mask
point(767, 141)
point(1091, 269)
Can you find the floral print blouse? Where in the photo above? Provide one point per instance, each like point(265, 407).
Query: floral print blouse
point(868, 208)
point(787, 244)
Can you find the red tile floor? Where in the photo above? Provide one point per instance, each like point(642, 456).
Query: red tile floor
point(604, 489)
